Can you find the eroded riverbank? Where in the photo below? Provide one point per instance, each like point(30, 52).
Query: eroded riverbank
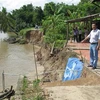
point(54, 66)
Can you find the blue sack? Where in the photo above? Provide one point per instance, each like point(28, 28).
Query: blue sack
point(73, 69)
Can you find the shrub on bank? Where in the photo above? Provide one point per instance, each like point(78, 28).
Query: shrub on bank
point(22, 41)
point(23, 32)
point(58, 39)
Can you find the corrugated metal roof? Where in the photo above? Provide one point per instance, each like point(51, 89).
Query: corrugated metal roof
point(95, 0)
point(86, 18)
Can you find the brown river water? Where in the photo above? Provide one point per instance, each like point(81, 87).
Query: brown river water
point(15, 60)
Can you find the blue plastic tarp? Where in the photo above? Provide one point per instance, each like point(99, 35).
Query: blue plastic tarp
point(73, 69)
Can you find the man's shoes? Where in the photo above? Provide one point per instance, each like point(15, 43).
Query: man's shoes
point(89, 66)
point(93, 67)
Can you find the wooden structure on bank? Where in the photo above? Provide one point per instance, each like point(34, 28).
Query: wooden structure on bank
point(95, 2)
point(87, 20)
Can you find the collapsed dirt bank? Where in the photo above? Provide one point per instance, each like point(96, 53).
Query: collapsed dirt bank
point(85, 88)
point(54, 66)
point(54, 63)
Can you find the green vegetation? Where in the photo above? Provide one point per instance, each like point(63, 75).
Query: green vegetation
point(12, 34)
point(51, 18)
point(35, 93)
point(55, 28)
point(24, 83)
point(38, 90)
point(24, 31)
point(36, 84)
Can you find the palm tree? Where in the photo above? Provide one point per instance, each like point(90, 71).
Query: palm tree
point(7, 23)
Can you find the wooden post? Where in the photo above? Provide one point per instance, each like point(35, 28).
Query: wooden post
point(35, 62)
point(52, 48)
point(3, 81)
point(90, 23)
point(67, 31)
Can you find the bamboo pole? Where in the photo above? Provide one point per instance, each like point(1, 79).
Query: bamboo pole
point(3, 81)
point(52, 48)
point(35, 62)
point(67, 32)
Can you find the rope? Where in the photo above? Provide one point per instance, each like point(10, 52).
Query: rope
point(12, 74)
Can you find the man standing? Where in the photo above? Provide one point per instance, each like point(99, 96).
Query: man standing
point(94, 45)
point(80, 35)
point(75, 31)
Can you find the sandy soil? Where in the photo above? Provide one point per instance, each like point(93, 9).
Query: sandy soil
point(73, 93)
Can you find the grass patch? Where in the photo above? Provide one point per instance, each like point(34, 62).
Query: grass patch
point(12, 34)
point(24, 83)
point(24, 31)
point(31, 93)
point(38, 90)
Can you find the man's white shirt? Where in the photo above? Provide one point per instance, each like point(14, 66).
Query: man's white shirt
point(94, 36)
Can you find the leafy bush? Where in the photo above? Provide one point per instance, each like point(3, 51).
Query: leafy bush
point(37, 88)
point(24, 31)
point(38, 97)
point(22, 41)
point(55, 28)
point(59, 39)
point(59, 43)
point(50, 37)
point(36, 85)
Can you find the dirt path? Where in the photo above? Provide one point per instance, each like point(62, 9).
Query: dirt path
point(74, 93)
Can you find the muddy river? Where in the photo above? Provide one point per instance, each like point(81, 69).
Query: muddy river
point(15, 60)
